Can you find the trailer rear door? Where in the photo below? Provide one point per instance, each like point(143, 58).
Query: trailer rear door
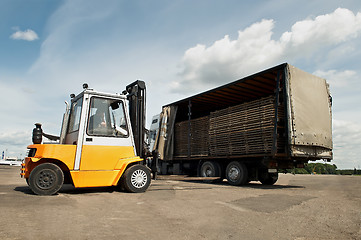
point(311, 116)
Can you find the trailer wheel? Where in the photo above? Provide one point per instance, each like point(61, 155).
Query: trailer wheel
point(136, 179)
point(210, 169)
point(267, 178)
point(236, 173)
point(46, 179)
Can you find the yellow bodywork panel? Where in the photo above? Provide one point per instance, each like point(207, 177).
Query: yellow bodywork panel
point(61, 152)
point(102, 165)
point(95, 157)
point(94, 178)
point(102, 178)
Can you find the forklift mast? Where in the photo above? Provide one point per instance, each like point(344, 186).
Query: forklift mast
point(137, 107)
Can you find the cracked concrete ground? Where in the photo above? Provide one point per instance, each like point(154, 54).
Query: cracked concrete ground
point(296, 207)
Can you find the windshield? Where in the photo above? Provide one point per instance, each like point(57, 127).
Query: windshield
point(106, 118)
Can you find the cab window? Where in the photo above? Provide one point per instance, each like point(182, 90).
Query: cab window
point(106, 118)
point(75, 114)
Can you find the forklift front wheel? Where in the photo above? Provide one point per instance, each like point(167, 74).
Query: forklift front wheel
point(46, 179)
point(136, 179)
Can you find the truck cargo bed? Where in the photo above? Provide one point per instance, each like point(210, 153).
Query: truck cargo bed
point(281, 113)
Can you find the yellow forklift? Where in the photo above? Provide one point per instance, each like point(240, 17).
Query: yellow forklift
point(101, 144)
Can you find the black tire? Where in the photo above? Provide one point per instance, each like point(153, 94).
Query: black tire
point(136, 179)
point(210, 169)
point(46, 179)
point(236, 173)
point(267, 178)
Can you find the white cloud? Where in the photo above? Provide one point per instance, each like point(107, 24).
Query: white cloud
point(309, 36)
point(331, 28)
point(347, 142)
point(338, 78)
point(227, 59)
point(27, 35)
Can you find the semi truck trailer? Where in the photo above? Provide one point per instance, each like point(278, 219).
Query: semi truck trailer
point(243, 131)
point(248, 129)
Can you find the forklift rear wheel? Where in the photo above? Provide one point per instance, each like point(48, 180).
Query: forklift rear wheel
point(136, 179)
point(46, 179)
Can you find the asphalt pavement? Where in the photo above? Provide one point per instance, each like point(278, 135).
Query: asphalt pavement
point(296, 207)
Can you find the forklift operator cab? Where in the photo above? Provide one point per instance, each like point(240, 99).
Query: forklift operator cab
point(96, 148)
point(102, 133)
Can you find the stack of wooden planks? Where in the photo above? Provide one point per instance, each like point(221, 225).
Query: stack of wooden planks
point(199, 131)
point(243, 129)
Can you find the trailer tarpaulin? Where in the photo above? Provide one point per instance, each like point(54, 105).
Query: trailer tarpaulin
point(311, 122)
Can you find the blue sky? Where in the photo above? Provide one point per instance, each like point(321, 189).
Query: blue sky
point(49, 48)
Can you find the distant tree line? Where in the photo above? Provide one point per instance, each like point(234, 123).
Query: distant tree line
point(322, 168)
